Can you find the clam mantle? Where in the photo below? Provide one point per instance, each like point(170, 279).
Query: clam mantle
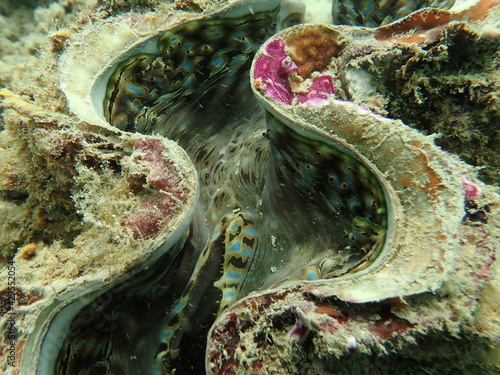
point(289, 212)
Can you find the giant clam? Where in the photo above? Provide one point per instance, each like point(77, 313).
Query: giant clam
point(327, 236)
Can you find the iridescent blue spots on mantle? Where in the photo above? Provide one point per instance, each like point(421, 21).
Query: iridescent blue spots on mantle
point(275, 206)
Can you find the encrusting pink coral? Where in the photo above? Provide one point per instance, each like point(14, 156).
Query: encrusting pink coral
point(471, 190)
point(273, 71)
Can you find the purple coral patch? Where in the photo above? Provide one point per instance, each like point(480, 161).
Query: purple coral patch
point(318, 92)
point(272, 71)
point(471, 190)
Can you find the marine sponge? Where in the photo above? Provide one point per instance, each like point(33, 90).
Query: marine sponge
point(312, 49)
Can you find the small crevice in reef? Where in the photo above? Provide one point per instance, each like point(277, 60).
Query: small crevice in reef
point(122, 6)
point(450, 356)
point(452, 89)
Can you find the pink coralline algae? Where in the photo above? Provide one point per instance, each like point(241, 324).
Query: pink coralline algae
point(471, 190)
point(273, 71)
point(165, 180)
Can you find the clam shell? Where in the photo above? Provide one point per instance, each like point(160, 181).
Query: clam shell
point(88, 63)
point(124, 227)
point(428, 250)
point(132, 242)
point(438, 254)
point(425, 202)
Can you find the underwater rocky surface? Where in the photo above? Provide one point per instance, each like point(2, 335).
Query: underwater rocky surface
point(230, 187)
